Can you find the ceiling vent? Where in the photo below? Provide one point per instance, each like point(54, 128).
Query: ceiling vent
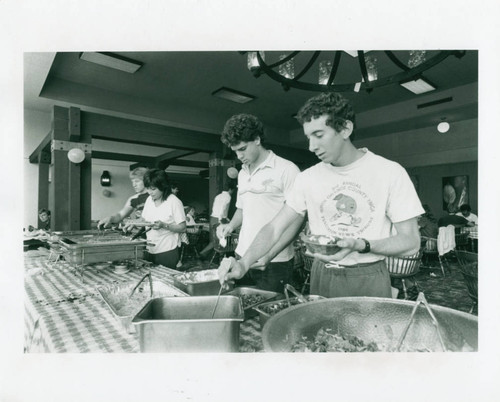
point(434, 103)
point(233, 95)
point(112, 60)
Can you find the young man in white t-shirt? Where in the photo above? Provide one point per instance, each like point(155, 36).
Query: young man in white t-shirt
point(220, 212)
point(264, 182)
point(366, 200)
point(465, 211)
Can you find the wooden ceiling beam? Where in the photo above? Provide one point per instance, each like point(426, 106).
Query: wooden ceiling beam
point(44, 146)
point(113, 128)
point(122, 157)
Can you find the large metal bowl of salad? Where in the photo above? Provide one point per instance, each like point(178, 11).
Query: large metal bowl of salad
point(369, 324)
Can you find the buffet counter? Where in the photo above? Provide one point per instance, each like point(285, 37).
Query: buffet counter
point(64, 312)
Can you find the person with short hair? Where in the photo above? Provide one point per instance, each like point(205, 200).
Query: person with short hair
point(44, 219)
point(366, 201)
point(166, 212)
point(427, 224)
point(220, 212)
point(134, 205)
point(452, 218)
point(466, 212)
point(190, 212)
point(264, 182)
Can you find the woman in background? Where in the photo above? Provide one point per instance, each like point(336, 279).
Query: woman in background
point(166, 212)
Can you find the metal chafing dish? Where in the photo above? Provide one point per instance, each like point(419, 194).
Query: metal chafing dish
point(252, 297)
point(90, 246)
point(124, 306)
point(185, 324)
point(400, 325)
point(200, 283)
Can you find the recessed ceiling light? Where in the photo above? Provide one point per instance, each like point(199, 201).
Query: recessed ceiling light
point(418, 86)
point(112, 61)
point(233, 95)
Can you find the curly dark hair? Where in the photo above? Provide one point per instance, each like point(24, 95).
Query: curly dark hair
point(333, 104)
point(159, 179)
point(242, 128)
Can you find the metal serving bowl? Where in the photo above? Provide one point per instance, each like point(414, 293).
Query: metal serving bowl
point(374, 319)
point(314, 246)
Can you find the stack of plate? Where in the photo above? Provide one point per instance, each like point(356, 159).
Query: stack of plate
point(121, 269)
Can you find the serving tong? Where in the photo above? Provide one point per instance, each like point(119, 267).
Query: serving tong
point(300, 296)
point(420, 300)
point(148, 275)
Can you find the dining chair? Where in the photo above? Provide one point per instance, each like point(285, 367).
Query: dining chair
point(404, 267)
point(468, 266)
point(429, 250)
point(189, 241)
point(232, 242)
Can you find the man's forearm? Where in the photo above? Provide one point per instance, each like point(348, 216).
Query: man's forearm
point(262, 244)
point(400, 244)
point(284, 240)
point(236, 221)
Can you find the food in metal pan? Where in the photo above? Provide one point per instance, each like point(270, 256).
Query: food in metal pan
point(125, 305)
point(274, 308)
point(250, 300)
point(198, 276)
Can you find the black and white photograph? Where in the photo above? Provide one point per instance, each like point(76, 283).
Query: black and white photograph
point(200, 215)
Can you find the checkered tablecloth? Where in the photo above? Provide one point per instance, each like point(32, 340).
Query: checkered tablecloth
point(472, 231)
point(64, 312)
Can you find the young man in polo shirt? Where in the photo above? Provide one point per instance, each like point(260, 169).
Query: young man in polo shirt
point(264, 182)
point(366, 200)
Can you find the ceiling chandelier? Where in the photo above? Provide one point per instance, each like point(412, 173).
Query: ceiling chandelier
point(348, 71)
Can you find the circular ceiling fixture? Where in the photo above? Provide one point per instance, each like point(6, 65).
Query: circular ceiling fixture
point(443, 127)
point(358, 70)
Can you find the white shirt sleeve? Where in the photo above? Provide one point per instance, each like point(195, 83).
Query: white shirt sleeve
point(289, 175)
point(295, 198)
point(403, 202)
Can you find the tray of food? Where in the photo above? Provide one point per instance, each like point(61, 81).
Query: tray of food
point(124, 308)
point(137, 223)
point(91, 246)
point(199, 283)
point(251, 297)
point(321, 244)
point(268, 309)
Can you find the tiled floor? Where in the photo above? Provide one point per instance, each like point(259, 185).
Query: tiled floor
point(448, 291)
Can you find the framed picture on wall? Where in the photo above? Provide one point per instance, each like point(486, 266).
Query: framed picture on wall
point(455, 192)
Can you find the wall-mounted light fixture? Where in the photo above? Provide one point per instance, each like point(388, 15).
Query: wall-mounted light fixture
point(105, 179)
point(232, 172)
point(76, 155)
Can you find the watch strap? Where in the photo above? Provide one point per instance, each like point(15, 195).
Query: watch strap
point(367, 247)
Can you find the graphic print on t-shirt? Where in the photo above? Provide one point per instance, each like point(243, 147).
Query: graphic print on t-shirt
point(347, 211)
point(138, 203)
point(254, 187)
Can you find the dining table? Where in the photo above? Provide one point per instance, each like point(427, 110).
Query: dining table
point(64, 312)
point(473, 236)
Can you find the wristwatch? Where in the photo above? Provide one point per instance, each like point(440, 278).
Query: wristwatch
point(367, 248)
